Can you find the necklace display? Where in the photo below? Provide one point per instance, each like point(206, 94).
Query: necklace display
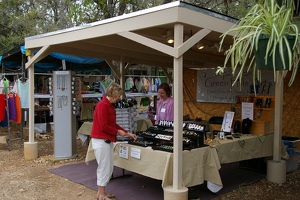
point(61, 82)
point(62, 101)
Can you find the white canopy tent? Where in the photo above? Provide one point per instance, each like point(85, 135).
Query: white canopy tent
point(140, 38)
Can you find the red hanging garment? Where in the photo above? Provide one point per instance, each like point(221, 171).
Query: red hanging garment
point(2, 107)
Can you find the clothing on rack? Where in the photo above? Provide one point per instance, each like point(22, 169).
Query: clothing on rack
point(1, 86)
point(104, 84)
point(153, 86)
point(2, 107)
point(6, 85)
point(12, 106)
point(145, 84)
point(4, 123)
point(157, 83)
point(18, 108)
point(129, 84)
point(23, 92)
point(142, 84)
point(139, 85)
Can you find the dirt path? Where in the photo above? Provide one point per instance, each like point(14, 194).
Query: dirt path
point(23, 179)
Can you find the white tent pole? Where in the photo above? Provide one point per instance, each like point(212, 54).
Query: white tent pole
point(31, 103)
point(31, 147)
point(178, 110)
point(122, 75)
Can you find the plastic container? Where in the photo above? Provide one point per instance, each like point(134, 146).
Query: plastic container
point(40, 128)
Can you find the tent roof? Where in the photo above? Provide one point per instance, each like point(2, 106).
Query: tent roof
point(13, 59)
point(140, 37)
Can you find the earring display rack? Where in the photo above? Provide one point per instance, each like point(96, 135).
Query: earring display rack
point(64, 92)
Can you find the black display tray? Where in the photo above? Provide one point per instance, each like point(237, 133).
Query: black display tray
point(141, 143)
point(155, 137)
point(171, 150)
point(162, 149)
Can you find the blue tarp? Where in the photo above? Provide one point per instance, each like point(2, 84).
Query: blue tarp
point(70, 58)
point(79, 63)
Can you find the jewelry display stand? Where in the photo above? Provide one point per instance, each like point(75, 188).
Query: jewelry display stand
point(64, 110)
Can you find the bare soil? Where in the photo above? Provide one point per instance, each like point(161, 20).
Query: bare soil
point(30, 179)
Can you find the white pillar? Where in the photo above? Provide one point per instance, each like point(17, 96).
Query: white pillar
point(31, 147)
point(276, 168)
point(178, 191)
point(122, 75)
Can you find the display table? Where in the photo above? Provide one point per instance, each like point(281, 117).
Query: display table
point(246, 147)
point(198, 164)
point(142, 125)
point(85, 128)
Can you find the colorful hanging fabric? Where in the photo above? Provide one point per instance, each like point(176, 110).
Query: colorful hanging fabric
point(157, 82)
point(4, 123)
point(12, 107)
point(2, 107)
point(1, 86)
point(18, 109)
point(104, 84)
point(153, 86)
point(23, 92)
point(129, 84)
point(146, 85)
point(6, 86)
point(138, 84)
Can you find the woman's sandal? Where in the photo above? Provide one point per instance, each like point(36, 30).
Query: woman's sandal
point(108, 196)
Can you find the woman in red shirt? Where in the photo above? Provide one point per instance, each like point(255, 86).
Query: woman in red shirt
point(104, 133)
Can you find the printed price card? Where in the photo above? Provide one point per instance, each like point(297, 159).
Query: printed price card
point(123, 151)
point(135, 153)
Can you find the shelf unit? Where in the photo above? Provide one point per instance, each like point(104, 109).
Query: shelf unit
point(263, 114)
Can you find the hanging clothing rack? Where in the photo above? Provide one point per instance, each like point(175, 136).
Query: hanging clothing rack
point(10, 133)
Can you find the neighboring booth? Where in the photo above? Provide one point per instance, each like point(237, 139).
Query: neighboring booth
point(13, 68)
point(14, 61)
point(126, 40)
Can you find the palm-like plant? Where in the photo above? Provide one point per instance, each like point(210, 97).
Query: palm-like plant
point(265, 19)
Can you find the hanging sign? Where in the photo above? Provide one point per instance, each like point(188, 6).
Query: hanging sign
point(219, 89)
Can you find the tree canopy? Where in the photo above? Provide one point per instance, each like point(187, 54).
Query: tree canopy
point(24, 18)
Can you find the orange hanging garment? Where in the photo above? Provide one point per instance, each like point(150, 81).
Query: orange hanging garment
point(18, 108)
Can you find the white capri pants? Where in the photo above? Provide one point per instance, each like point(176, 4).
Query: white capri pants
point(104, 154)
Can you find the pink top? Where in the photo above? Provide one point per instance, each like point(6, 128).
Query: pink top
point(165, 110)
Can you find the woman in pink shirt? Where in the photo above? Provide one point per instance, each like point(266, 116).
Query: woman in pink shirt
point(165, 104)
point(104, 133)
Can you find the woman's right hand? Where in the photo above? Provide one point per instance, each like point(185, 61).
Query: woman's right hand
point(122, 133)
point(133, 136)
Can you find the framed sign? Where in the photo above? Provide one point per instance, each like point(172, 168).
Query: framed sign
point(227, 121)
point(247, 110)
point(219, 89)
